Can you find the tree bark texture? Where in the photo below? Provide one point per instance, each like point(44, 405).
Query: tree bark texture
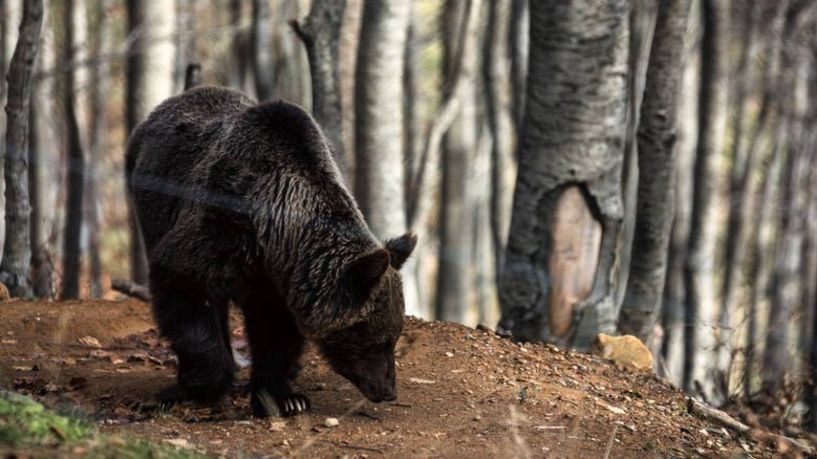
point(263, 59)
point(379, 172)
point(455, 269)
point(557, 283)
point(15, 267)
point(699, 266)
point(785, 286)
point(72, 247)
point(99, 44)
point(185, 42)
point(149, 82)
point(673, 315)
point(656, 164)
point(499, 112)
point(519, 38)
point(320, 32)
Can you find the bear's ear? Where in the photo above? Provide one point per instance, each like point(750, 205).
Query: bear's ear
point(363, 274)
point(400, 248)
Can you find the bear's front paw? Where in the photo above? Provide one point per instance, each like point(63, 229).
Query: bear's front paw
point(266, 405)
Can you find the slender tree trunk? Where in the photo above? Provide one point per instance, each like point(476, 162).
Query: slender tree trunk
point(239, 61)
point(455, 269)
point(496, 73)
point(97, 142)
point(379, 175)
point(656, 162)
point(699, 266)
point(739, 175)
point(263, 58)
point(557, 281)
point(72, 249)
point(642, 25)
point(15, 268)
point(519, 51)
point(320, 32)
point(149, 81)
point(760, 243)
point(347, 57)
point(777, 361)
point(185, 41)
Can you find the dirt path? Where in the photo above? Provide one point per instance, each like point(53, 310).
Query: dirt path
point(462, 393)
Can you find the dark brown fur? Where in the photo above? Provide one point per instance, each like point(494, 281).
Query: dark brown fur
point(242, 202)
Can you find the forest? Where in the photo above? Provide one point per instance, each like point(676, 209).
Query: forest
point(571, 169)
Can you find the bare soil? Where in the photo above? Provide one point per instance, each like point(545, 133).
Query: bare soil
point(463, 392)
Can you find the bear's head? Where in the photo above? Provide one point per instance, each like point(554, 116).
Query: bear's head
point(363, 351)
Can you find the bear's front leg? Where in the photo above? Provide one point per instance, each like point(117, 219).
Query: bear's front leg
point(193, 327)
point(275, 345)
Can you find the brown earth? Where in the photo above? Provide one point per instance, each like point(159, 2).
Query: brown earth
point(463, 392)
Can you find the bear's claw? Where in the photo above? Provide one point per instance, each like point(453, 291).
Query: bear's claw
point(264, 405)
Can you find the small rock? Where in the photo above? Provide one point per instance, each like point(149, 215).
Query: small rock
point(277, 426)
point(626, 350)
point(90, 341)
point(449, 354)
point(4, 292)
point(331, 422)
point(477, 418)
point(178, 442)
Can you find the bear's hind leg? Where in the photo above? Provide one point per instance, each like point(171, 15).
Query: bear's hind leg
point(194, 329)
point(276, 345)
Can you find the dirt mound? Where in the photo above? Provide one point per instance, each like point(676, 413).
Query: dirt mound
point(462, 392)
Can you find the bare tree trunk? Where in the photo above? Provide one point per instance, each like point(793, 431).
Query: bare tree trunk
point(656, 162)
point(379, 175)
point(699, 267)
point(347, 57)
point(72, 248)
point(777, 362)
point(455, 269)
point(97, 142)
point(496, 73)
point(570, 162)
point(519, 51)
point(149, 81)
point(15, 268)
point(642, 26)
point(292, 75)
point(320, 33)
point(263, 58)
point(760, 243)
point(673, 302)
point(185, 41)
point(239, 59)
point(739, 175)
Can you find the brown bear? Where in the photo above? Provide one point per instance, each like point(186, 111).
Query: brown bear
point(241, 202)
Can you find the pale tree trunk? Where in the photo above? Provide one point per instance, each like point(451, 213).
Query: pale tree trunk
point(240, 56)
point(72, 247)
point(347, 57)
point(699, 267)
point(760, 243)
point(777, 361)
point(149, 82)
point(519, 39)
point(379, 175)
point(674, 327)
point(97, 127)
point(557, 283)
point(412, 121)
point(808, 273)
point(15, 268)
point(739, 174)
point(263, 58)
point(320, 32)
point(185, 41)
point(642, 25)
point(498, 91)
point(656, 163)
point(292, 75)
point(455, 269)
